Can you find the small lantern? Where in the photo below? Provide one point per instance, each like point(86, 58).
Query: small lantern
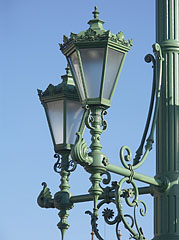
point(63, 111)
point(96, 57)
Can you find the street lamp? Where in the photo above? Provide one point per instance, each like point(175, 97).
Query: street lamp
point(65, 116)
point(96, 57)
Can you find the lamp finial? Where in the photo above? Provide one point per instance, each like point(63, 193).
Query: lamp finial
point(95, 13)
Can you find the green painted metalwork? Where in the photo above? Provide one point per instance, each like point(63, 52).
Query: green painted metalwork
point(62, 198)
point(95, 38)
point(106, 195)
point(166, 204)
point(93, 162)
point(63, 91)
point(165, 92)
point(97, 164)
point(45, 199)
point(148, 58)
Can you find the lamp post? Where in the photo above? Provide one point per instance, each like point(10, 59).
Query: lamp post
point(96, 57)
point(167, 157)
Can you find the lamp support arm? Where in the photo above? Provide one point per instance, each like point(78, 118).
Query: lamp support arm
point(137, 176)
point(89, 197)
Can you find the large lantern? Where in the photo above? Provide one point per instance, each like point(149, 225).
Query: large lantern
point(96, 57)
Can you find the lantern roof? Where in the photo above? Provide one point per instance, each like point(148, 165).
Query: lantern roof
point(96, 33)
point(65, 90)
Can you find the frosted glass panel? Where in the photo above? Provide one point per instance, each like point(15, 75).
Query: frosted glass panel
point(92, 61)
point(73, 119)
point(55, 114)
point(73, 59)
point(112, 68)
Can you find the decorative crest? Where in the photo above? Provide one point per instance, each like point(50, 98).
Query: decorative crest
point(63, 90)
point(96, 32)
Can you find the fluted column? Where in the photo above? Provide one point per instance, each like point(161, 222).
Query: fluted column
point(167, 203)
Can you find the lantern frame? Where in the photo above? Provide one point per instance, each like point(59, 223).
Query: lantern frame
point(65, 91)
point(95, 38)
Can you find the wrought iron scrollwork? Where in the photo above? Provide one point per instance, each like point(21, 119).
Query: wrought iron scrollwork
point(110, 217)
point(116, 194)
point(57, 165)
point(107, 179)
point(104, 122)
point(71, 165)
point(131, 197)
point(156, 88)
point(94, 224)
point(90, 119)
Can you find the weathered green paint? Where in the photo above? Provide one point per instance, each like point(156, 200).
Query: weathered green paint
point(167, 203)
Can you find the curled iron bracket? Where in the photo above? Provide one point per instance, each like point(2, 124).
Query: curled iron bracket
point(89, 120)
point(94, 224)
point(156, 91)
point(58, 165)
point(148, 58)
point(104, 122)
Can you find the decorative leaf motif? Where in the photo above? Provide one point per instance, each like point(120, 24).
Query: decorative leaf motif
point(44, 199)
point(92, 35)
point(73, 35)
point(79, 152)
point(120, 36)
point(65, 39)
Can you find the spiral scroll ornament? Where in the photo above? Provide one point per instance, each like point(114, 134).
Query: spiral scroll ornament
point(70, 166)
point(90, 120)
point(57, 165)
point(110, 218)
point(131, 198)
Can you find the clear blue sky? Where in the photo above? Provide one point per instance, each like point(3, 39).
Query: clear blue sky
point(30, 59)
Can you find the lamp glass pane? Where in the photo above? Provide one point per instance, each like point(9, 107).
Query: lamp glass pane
point(73, 120)
point(92, 62)
point(74, 63)
point(55, 115)
point(113, 65)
